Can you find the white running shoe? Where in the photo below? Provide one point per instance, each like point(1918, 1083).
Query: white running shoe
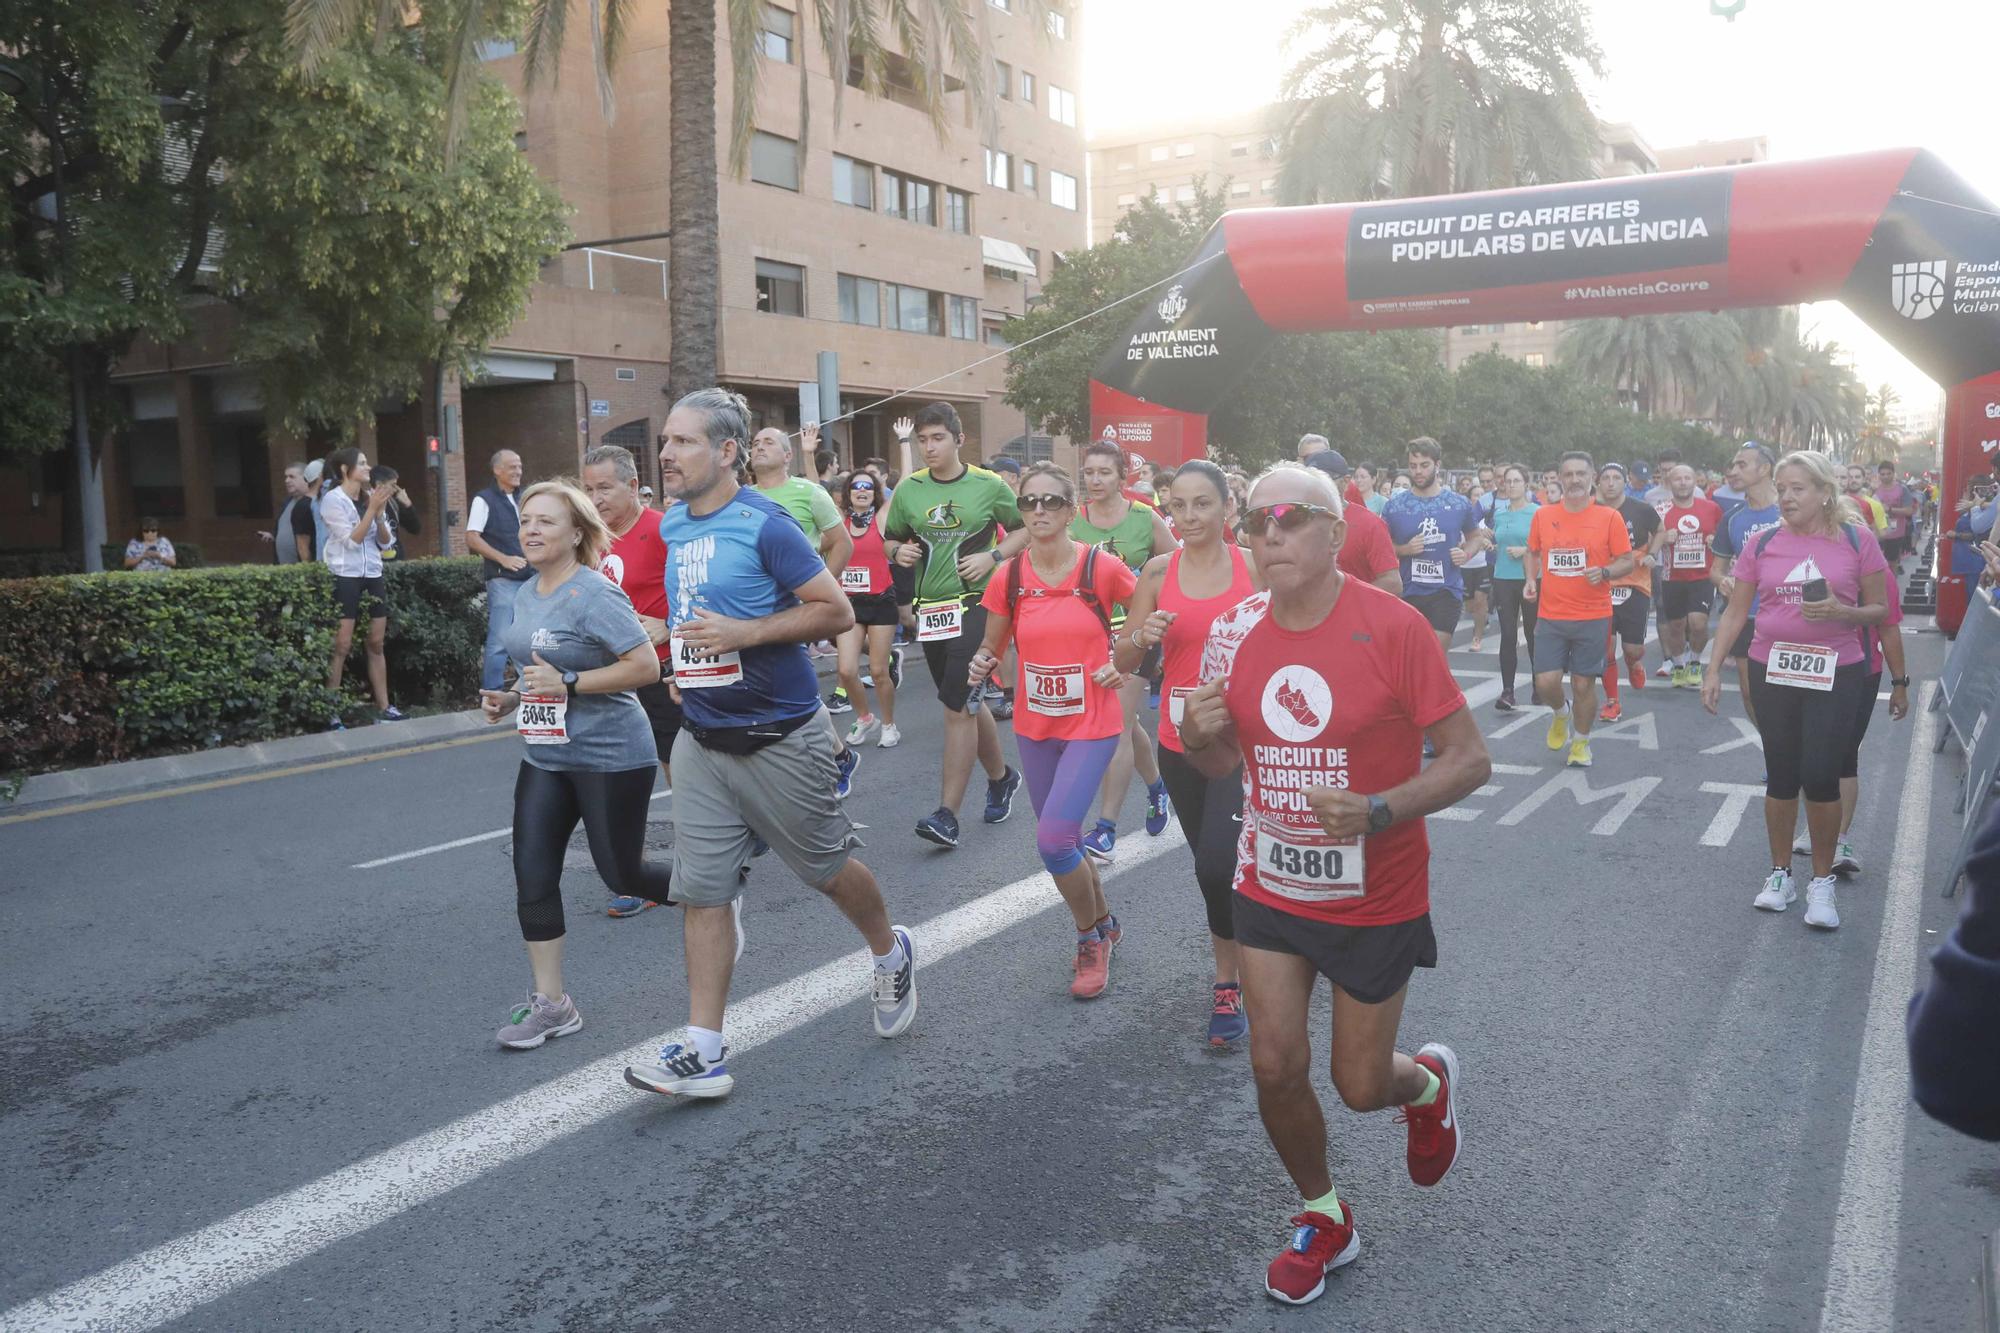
point(895, 993)
point(1777, 894)
point(1819, 904)
point(1802, 845)
point(864, 730)
point(892, 736)
point(1845, 862)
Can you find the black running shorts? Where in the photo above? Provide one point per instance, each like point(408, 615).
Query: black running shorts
point(1371, 963)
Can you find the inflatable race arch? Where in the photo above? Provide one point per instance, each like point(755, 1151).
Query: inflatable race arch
point(1897, 236)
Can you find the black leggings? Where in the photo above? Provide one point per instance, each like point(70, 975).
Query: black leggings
point(612, 806)
point(1515, 611)
point(1211, 814)
point(1864, 709)
point(1806, 733)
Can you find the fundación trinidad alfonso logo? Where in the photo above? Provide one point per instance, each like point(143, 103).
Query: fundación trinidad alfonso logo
point(1174, 306)
point(1917, 288)
point(1297, 704)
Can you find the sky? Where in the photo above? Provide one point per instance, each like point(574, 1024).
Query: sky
point(1815, 77)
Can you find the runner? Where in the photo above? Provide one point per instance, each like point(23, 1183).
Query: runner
point(1477, 571)
point(1132, 531)
point(579, 652)
point(1435, 530)
point(941, 522)
point(1854, 485)
point(1576, 550)
point(1756, 510)
point(1513, 514)
point(1820, 582)
point(813, 510)
point(1552, 487)
point(1366, 553)
point(1686, 593)
point(1900, 503)
point(1054, 604)
point(1180, 595)
point(1327, 685)
point(1631, 593)
point(871, 590)
point(637, 563)
point(745, 593)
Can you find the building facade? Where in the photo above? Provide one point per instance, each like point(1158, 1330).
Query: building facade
point(1235, 153)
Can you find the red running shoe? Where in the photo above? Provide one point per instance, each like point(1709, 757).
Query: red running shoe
point(1320, 1245)
point(1610, 713)
point(1637, 671)
point(1435, 1134)
point(1093, 967)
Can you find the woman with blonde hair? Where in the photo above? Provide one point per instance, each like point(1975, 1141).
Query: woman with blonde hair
point(580, 653)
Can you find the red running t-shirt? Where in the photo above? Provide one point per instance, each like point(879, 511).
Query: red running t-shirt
point(1343, 704)
point(638, 563)
point(1689, 528)
point(867, 571)
point(1180, 650)
point(1368, 553)
point(1059, 642)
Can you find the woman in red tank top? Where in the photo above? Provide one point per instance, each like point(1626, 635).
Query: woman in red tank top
point(1180, 595)
point(868, 585)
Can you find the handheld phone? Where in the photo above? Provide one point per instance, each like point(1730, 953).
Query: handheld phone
point(1813, 591)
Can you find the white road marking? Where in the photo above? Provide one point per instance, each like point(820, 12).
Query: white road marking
point(1640, 727)
point(170, 1280)
point(1531, 713)
point(1746, 736)
point(1518, 770)
point(1867, 1226)
point(1736, 798)
point(1628, 796)
point(454, 844)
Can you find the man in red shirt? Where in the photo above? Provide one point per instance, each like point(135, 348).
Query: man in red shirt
point(1322, 691)
point(1367, 552)
point(1687, 525)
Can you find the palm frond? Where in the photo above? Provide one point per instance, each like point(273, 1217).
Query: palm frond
point(548, 24)
point(745, 19)
point(461, 73)
point(600, 63)
point(315, 29)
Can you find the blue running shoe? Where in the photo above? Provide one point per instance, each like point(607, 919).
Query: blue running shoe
point(1158, 807)
point(1227, 1022)
point(1000, 796)
point(628, 905)
point(682, 1072)
point(849, 760)
point(940, 827)
point(1097, 843)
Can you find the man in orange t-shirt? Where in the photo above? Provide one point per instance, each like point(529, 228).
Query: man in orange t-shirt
point(1576, 550)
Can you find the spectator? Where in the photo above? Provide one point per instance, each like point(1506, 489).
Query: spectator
point(826, 466)
point(355, 538)
point(295, 540)
point(493, 532)
point(150, 552)
point(401, 513)
point(646, 497)
point(315, 478)
point(1954, 1018)
point(1009, 470)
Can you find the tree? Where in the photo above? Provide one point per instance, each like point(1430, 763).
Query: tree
point(1509, 412)
point(1401, 98)
point(1878, 441)
point(1675, 363)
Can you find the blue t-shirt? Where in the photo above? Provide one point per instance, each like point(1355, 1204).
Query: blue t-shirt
point(1736, 531)
point(1442, 520)
point(1510, 528)
point(742, 561)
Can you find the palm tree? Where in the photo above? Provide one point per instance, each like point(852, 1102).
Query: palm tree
point(943, 45)
point(1674, 365)
point(1878, 442)
point(1398, 98)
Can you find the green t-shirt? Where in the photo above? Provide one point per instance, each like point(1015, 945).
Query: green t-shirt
point(947, 516)
point(808, 504)
point(1131, 539)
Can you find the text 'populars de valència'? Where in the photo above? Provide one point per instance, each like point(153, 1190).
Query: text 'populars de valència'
point(1520, 231)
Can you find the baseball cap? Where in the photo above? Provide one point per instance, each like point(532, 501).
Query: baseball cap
point(1330, 461)
point(313, 470)
point(1003, 464)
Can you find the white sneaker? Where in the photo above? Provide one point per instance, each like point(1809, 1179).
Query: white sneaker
point(892, 736)
point(1845, 862)
point(1802, 845)
point(1777, 894)
point(865, 729)
point(1819, 904)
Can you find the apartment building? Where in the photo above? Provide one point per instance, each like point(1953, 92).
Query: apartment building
point(1168, 161)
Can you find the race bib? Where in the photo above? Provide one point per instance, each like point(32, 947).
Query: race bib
point(1054, 691)
point(1427, 571)
point(1620, 596)
point(693, 672)
point(1568, 561)
point(940, 620)
point(1690, 553)
point(1177, 704)
point(543, 719)
point(1803, 666)
point(1306, 865)
point(854, 579)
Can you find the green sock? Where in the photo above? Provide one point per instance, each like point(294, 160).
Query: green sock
point(1327, 1204)
point(1431, 1092)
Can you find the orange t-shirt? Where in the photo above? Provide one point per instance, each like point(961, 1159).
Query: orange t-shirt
point(1566, 542)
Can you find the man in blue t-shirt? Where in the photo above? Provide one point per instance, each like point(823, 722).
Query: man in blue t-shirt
point(1750, 474)
point(745, 593)
point(1434, 530)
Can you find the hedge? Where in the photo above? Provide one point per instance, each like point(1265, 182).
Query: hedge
point(101, 667)
point(42, 563)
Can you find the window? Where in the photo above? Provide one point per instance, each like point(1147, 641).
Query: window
point(1003, 79)
point(781, 288)
point(912, 309)
point(999, 169)
point(1535, 359)
point(1183, 150)
point(1239, 189)
point(1034, 257)
point(1127, 200)
point(1160, 196)
point(1058, 25)
point(497, 48)
point(1062, 106)
point(1027, 87)
point(775, 37)
point(1184, 194)
point(1062, 189)
point(958, 211)
point(1269, 185)
point(774, 160)
point(908, 198)
point(1127, 166)
point(965, 318)
point(1006, 5)
point(853, 182)
point(1239, 150)
point(1157, 153)
point(860, 301)
point(1030, 178)
point(995, 337)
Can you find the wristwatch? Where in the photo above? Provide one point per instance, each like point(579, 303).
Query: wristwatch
point(1379, 814)
point(1900, 682)
point(569, 683)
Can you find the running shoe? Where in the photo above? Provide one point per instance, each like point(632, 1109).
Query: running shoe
point(1694, 675)
point(1665, 669)
point(1319, 1245)
point(392, 714)
point(1802, 845)
point(1820, 912)
point(837, 702)
point(1558, 731)
point(1226, 1022)
point(1611, 712)
point(1093, 967)
point(892, 736)
point(682, 1072)
point(1110, 929)
point(540, 1018)
point(1579, 753)
point(1000, 702)
point(864, 730)
point(1435, 1134)
point(1845, 862)
point(848, 761)
point(1000, 795)
point(1777, 893)
point(335, 724)
point(895, 993)
point(1680, 678)
point(1505, 703)
point(896, 667)
point(1097, 843)
point(626, 904)
point(940, 826)
point(1158, 807)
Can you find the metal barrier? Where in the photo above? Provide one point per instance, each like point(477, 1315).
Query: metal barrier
point(1966, 692)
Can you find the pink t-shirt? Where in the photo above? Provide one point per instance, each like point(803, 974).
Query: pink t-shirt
point(1781, 567)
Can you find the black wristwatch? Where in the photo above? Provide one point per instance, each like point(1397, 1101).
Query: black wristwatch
point(1900, 682)
point(1379, 814)
point(569, 683)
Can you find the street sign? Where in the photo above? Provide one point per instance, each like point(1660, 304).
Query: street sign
point(600, 407)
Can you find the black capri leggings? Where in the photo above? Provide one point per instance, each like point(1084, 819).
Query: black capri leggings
point(1210, 811)
point(1807, 733)
point(1515, 610)
point(612, 806)
point(1864, 709)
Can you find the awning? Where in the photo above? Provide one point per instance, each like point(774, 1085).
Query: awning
point(1006, 255)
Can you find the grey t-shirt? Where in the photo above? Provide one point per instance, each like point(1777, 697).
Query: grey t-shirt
point(587, 622)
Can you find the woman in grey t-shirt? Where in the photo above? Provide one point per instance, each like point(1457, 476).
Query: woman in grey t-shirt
point(580, 653)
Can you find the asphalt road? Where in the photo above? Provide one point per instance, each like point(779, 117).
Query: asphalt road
point(251, 1086)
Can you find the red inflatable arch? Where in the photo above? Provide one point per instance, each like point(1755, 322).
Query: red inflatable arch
point(1897, 236)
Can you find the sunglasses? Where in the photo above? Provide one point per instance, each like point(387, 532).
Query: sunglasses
point(1039, 503)
point(860, 485)
point(1288, 517)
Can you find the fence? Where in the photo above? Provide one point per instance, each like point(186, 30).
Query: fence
point(1967, 689)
